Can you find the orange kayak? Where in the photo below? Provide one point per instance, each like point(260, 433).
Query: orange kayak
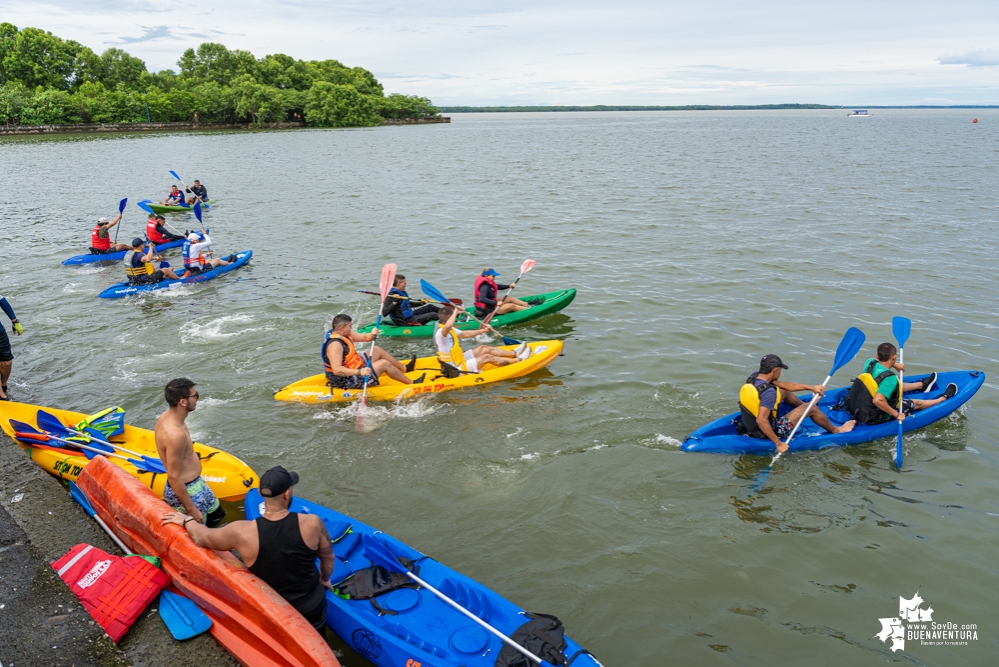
point(249, 619)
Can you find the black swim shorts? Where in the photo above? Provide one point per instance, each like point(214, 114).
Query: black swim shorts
point(5, 353)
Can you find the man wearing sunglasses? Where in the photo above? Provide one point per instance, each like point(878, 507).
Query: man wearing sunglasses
point(186, 491)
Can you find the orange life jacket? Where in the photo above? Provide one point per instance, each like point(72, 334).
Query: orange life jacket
point(351, 358)
point(97, 242)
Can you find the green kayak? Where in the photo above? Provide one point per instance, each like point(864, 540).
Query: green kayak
point(552, 302)
point(160, 208)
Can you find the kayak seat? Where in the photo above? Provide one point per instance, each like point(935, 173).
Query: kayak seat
point(404, 634)
point(469, 598)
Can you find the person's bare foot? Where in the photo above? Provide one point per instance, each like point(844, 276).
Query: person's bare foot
point(847, 427)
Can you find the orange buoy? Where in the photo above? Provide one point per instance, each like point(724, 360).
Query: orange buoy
point(974, 120)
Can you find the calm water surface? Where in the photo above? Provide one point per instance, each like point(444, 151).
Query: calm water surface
point(698, 243)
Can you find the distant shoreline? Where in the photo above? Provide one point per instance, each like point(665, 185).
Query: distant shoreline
point(700, 107)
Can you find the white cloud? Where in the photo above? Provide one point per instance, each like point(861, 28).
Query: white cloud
point(583, 52)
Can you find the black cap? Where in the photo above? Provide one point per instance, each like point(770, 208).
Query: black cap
point(276, 481)
point(770, 362)
point(137, 241)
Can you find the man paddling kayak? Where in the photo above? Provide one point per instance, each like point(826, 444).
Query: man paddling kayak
point(175, 198)
point(194, 250)
point(446, 340)
point(346, 368)
point(199, 191)
point(176, 449)
point(487, 292)
point(139, 267)
point(873, 397)
point(770, 409)
point(157, 232)
point(6, 356)
point(401, 311)
point(100, 239)
point(280, 547)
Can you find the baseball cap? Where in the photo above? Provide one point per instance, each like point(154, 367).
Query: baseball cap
point(276, 481)
point(194, 236)
point(103, 221)
point(137, 241)
point(770, 362)
point(490, 272)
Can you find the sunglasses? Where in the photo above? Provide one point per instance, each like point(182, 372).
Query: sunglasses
point(195, 395)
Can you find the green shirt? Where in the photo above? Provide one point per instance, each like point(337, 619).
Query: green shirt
point(887, 386)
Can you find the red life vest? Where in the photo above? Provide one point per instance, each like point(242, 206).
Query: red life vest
point(97, 242)
point(478, 283)
point(113, 590)
point(151, 232)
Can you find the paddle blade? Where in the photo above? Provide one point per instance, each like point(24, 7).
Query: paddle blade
point(379, 554)
point(898, 448)
point(197, 211)
point(26, 429)
point(80, 497)
point(122, 204)
point(144, 205)
point(852, 341)
point(49, 422)
point(510, 341)
point(387, 279)
point(174, 174)
point(527, 266)
point(182, 617)
point(901, 327)
point(433, 292)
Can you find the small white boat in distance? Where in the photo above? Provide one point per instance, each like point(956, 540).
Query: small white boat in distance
point(859, 113)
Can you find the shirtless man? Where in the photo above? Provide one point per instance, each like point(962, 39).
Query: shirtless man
point(185, 491)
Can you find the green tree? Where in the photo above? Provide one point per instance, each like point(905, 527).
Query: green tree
point(50, 107)
point(406, 106)
point(215, 104)
point(257, 102)
point(336, 105)
point(118, 67)
point(39, 58)
point(214, 62)
point(8, 40)
point(13, 98)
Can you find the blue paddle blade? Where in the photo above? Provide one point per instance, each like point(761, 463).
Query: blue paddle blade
point(197, 211)
point(174, 174)
point(144, 205)
point(433, 292)
point(898, 448)
point(51, 425)
point(24, 428)
point(852, 341)
point(122, 204)
point(901, 327)
point(182, 617)
point(379, 554)
point(80, 497)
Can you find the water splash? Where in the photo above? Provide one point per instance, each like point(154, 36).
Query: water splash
point(210, 329)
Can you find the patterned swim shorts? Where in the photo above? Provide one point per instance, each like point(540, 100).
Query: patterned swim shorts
point(200, 493)
point(782, 427)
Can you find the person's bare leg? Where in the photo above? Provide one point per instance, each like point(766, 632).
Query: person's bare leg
point(922, 403)
point(5, 368)
point(385, 366)
point(819, 418)
point(490, 358)
point(510, 308)
point(168, 273)
point(495, 351)
point(382, 355)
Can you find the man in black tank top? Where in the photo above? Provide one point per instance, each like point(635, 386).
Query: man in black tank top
point(280, 547)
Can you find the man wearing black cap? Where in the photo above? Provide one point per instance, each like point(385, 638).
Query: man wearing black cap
point(280, 546)
point(770, 409)
point(139, 267)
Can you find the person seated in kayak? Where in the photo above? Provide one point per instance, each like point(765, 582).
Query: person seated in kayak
point(874, 395)
point(770, 409)
point(157, 232)
point(195, 261)
point(346, 368)
point(139, 267)
point(175, 198)
point(487, 292)
point(280, 546)
point(199, 191)
point(100, 239)
point(448, 345)
point(398, 308)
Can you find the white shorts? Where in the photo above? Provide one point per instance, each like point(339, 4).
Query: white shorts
point(471, 363)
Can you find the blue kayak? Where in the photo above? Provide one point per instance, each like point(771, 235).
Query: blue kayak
point(124, 289)
point(412, 626)
point(720, 436)
point(90, 258)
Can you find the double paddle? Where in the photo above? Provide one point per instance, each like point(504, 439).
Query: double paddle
point(121, 213)
point(524, 268)
point(901, 327)
point(436, 294)
point(384, 285)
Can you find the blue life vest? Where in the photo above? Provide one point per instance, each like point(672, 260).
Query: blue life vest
point(404, 306)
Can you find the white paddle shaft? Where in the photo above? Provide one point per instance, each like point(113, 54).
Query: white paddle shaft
point(811, 403)
point(901, 380)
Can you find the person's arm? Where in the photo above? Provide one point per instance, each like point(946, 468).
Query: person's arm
point(224, 538)
point(7, 309)
point(198, 248)
point(447, 326)
point(326, 558)
point(334, 355)
point(795, 386)
point(148, 257)
point(763, 421)
point(363, 337)
point(881, 403)
point(114, 222)
point(472, 333)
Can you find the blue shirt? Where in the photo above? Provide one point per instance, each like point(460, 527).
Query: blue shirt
point(769, 397)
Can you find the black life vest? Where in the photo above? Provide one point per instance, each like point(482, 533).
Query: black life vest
point(369, 583)
point(749, 405)
point(860, 399)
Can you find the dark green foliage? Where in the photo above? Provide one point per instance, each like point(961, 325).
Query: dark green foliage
point(48, 80)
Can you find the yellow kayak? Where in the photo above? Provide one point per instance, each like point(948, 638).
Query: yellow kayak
point(314, 389)
point(228, 477)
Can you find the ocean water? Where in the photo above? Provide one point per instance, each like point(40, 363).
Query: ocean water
point(698, 241)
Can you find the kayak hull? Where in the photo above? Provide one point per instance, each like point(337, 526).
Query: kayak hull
point(553, 302)
point(125, 289)
point(314, 389)
point(249, 619)
point(116, 256)
point(228, 477)
point(160, 208)
point(720, 436)
point(423, 630)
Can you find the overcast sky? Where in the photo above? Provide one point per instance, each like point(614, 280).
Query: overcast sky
point(582, 52)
